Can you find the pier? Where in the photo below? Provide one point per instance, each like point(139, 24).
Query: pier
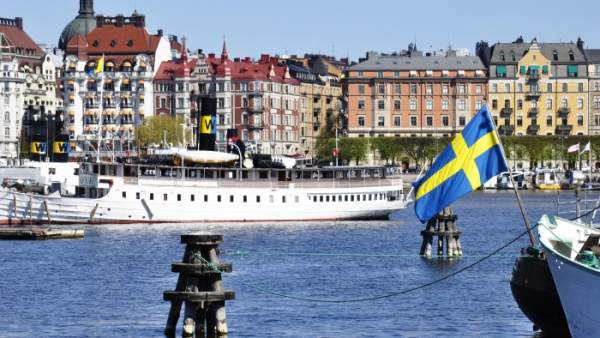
point(22, 233)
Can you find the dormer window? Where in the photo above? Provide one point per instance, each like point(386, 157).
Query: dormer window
point(555, 55)
point(113, 43)
point(512, 56)
point(129, 43)
point(571, 56)
point(96, 43)
point(502, 57)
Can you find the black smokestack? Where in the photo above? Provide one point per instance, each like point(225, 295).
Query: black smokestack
point(208, 123)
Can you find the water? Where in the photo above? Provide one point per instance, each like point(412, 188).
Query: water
point(110, 284)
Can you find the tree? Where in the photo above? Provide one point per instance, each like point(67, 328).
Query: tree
point(388, 148)
point(152, 131)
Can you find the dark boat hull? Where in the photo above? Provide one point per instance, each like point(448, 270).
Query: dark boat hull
point(534, 291)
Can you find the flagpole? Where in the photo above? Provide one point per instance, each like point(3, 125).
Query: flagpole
point(101, 110)
point(512, 181)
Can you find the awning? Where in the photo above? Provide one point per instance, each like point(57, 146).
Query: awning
point(71, 97)
point(110, 64)
point(126, 64)
point(141, 112)
point(141, 82)
point(71, 82)
point(500, 70)
point(523, 70)
point(572, 70)
point(142, 96)
point(71, 128)
point(109, 80)
point(71, 113)
point(545, 69)
point(125, 81)
point(142, 64)
point(92, 80)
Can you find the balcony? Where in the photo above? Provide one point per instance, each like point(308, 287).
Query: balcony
point(533, 129)
point(506, 112)
point(317, 123)
point(253, 124)
point(533, 113)
point(533, 93)
point(564, 112)
point(506, 130)
point(254, 110)
point(564, 129)
point(533, 76)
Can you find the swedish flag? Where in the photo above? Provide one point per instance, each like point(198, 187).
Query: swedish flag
point(473, 157)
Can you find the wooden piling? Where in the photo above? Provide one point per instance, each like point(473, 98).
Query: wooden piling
point(445, 228)
point(200, 288)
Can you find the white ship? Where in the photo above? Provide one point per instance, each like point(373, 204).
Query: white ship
point(121, 193)
point(572, 251)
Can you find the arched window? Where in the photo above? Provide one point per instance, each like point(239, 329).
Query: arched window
point(7, 116)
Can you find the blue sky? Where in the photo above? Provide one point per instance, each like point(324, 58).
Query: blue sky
point(343, 28)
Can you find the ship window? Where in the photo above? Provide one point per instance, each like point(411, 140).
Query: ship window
point(351, 198)
point(178, 197)
point(205, 198)
point(282, 199)
point(192, 198)
point(320, 198)
point(297, 199)
point(314, 198)
point(137, 195)
point(271, 199)
point(257, 199)
point(370, 197)
point(364, 198)
point(152, 196)
point(124, 194)
point(218, 198)
point(165, 197)
point(231, 198)
point(245, 199)
point(327, 198)
point(345, 198)
point(333, 198)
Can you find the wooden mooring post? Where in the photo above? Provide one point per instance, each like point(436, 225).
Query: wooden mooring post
point(200, 288)
point(445, 228)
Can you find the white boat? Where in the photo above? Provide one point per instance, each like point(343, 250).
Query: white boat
point(572, 251)
point(121, 193)
point(197, 156)
point(547, 178)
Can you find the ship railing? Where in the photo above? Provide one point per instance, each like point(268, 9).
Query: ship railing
point(580, 201)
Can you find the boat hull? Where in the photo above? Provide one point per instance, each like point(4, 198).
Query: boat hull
point(578, 288)
point(534, 291)
point(195, 204)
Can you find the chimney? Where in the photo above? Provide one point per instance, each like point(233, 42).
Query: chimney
point(236, 59)
point(99, 20)
point(160, 32)
point(19, 22)
point(264, 58)
point(247, 59)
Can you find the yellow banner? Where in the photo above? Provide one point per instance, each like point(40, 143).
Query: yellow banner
point(207, 125)
point(38, 147)
point(60, 147)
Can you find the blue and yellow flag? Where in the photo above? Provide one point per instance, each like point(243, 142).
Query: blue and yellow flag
point(473, 157)
point(100, 65)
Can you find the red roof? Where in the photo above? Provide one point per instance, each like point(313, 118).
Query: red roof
point(248, 70)
point(18, 38)
point(167, 68)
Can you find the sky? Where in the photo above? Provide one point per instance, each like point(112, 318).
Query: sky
point(344, 28)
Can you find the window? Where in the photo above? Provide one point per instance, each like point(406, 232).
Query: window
point(580, 103)
point(361, 89)
point(478, 89)
point(549, 104)
point(413, 89)
point(192, 198)
point(7, 116)
point(580, 87)
point(137, 195)
point(396, 121)
point(283, 200)
point(495, 87)
point(258, 199)
point(165, 196)
point(380, 104)
point(519, 121)
point(397, 89)
point(565, 103)
point(444, 104)
point(413, 121)
point(396, 104)
point(461, 89)
point(462, 121)
point(380, 74)
point(549, 87)
point(565, 87)
point(445, 121)
point(152, 196)
point(597, 120)
point(361, 121)
point(429, 121)
point(429, 89)
point(507, 87)
point(219, 198)
point(429, 104)
point(462, 105)
point(478, 104)
point(580, 120)
point(381, 121)
point(519, 104)
point(520, 87)
point(124, 194)
point(549, 121)
point(178, 197)
point(231, 199)
point(361, 73)
point(361, 104)
point(205, 198)
point(413, 104)
point(445, 89)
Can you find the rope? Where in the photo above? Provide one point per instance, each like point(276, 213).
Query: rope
point(393, 293)
point(244, 253)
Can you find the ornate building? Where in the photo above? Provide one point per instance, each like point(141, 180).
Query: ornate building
point(538, 88)
point(257, 100)
point(412, 94)
point(28, 83)
point(132, 57)
point(593, 58)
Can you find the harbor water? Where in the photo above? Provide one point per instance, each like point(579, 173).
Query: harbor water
point(110, 284)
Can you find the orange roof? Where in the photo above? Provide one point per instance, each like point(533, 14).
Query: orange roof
point(167, 68)
point(18, 38)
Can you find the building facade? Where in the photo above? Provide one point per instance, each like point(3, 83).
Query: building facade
point(593, 58)
point(258, 101)
point(539, 88)
point(109, 105)
point(28, 83)
point(414, 94)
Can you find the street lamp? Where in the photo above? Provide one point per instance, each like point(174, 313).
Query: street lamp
point(232, 144)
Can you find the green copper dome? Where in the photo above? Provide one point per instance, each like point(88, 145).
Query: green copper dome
point(84, 23)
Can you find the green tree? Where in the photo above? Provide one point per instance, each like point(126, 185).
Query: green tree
point(388, 148)
point(152, 131)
